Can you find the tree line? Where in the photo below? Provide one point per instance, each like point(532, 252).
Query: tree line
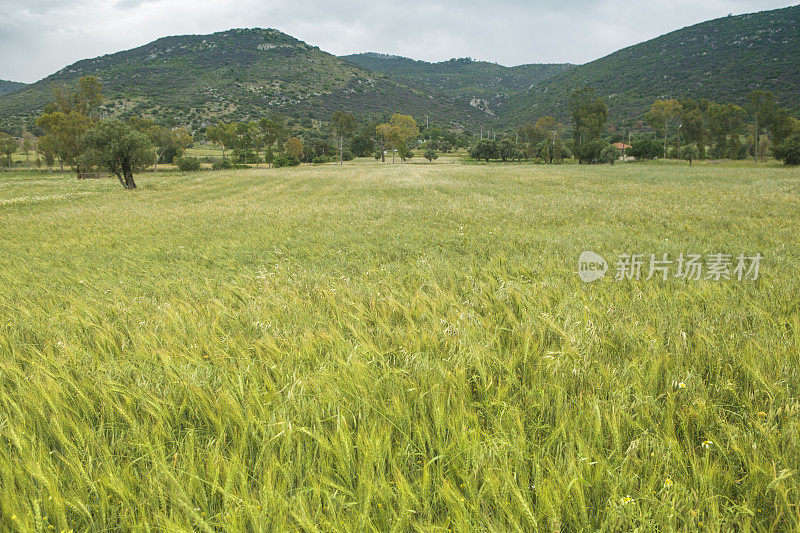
point(75, 135)
point(686, 129)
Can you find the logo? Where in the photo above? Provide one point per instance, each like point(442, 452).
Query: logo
point(591, 267)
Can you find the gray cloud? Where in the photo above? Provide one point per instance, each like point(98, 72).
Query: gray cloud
point(45, 35)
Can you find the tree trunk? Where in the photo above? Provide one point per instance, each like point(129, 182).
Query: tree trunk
point(127, 172)
point(755, 141)
point(341, 150)
point(155, 162)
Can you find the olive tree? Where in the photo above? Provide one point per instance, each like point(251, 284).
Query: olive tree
point(120, 149)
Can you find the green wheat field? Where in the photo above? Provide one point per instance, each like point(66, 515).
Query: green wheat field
point(397, 348)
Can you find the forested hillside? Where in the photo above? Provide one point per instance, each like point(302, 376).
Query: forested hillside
point(484, 85)
point(7, 87)
point(236, 74)
point(723, 60)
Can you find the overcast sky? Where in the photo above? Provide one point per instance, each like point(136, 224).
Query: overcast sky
point(39, 37)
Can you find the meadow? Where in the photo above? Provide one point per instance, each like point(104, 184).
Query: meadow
point(381, 347)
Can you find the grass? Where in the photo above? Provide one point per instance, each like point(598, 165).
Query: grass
point(377, 347)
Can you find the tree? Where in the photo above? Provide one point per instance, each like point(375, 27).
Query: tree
point(273, 130)
point(788, 151)
point(27, 143)
point(385, 134)
point(48, 146)
point(764, 109)
point(120, 149)
point(688, 152)
point(245, 139)
point(725, 123)
point(646, 149)
point(396, 134)
point(486, 150)
point(68, 130)
point(590, 152)
point(589, 113)
point(343, 125)
point(168, 144)
point(693, 125)
point(430, 154)
point(69, 117)
point(509, 150)
point(8, 145)
point(784, 126)
point(610, 154)
point(529, 137)
point(294, 147)
point(663, 113)
point(223, 135)
point(551, 151)
point(85, 98)
point(363, 143)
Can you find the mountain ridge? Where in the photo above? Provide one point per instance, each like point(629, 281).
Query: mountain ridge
point(721, 59)
point(8, 87)
point(237, 74)
point(484, 85)
point(245, 73)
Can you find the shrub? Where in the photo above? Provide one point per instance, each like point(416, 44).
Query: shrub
point(689, 152)
point(189, 164)
point(646, 149)
point(286, 161)
point(788, 151)
point(609, 154)
point(589, 152)
point(430, 154)
point(221, 164)
point(321, 159)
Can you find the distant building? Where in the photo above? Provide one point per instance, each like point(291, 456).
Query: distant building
point(622, 147)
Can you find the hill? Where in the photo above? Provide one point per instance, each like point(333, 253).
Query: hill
point(7, 87)
point(484, 85)
point(236, 74)
point(723, 59)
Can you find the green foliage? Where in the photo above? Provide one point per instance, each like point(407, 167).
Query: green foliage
point(591, 152)
point(430, 154)
point(118, 148)
point(689, 152)
point(189, 164)
point(8, 145)
point(649, 148)
point(235, 75)
point(589, 115)
point(723, 60)
point(609, 154)
point(485, 150)
point(788, 151)
point(463, 79)
point(286, 160)
point(362, 145)
point(8, 87)
point(221, 164)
